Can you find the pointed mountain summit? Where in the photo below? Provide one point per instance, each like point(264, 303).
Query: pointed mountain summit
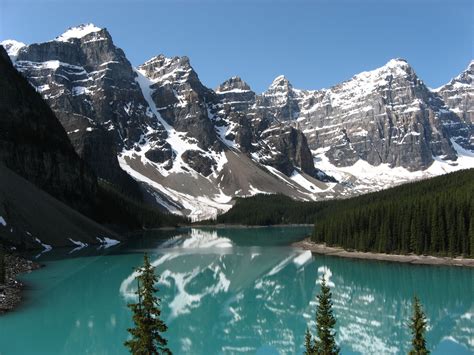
point(280, 101)
point(458, 95)
point(236, 94)
point(78, 32)
point(164, 69)
point(180, 98)
point(234, 84)
point(383, 116)
point(280, 83)
point(12, 47)
point(91, 87)
point(192, 148)
point(398, 66)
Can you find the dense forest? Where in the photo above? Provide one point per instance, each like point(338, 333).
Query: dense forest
point(434, 216)
point(117, 209)
point(271, 209)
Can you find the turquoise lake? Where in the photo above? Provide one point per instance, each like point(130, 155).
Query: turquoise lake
point(229, 291)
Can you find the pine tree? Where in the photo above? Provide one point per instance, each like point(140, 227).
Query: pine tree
point(2, 266)
point(418, 328)
point(325, 344)
point(471, 238)
point(309, 343)
point(147, 336)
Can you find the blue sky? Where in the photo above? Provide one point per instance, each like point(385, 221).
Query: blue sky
point(315, 44)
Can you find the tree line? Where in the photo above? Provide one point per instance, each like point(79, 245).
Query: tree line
point(115, 208)
point(433, 216)
point(265, 209)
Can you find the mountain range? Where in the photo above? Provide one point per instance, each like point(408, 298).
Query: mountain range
point(160, 136)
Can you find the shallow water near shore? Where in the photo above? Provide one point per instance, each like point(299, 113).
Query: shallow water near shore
point(235, 290)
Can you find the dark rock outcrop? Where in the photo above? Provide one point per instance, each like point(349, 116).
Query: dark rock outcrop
point(34, 144)
point(90, 85)
point(262, 125)
point(181, 99)
point(286, 148)
point(172, 133)
point(383, 116)
point(198, 161)
point(458, 95)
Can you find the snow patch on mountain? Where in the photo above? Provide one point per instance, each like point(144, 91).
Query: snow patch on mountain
point(195, 207)
point(79, 245)
point(12, 47)
point(302, 181)
point(78, 32)
point(177, 140)
point(46, 247)
point(107, 242)
point(363, 177)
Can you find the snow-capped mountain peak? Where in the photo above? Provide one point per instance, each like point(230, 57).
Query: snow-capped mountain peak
point(12, 47)
point(233, 84)
point(471, 65)
point(280, 83)
point(78, 32)
point(167, 69)
point(398, 66)
point(395, 67)
point(467, 76)
point(194, 148)
point(397, 62)
point(458, 94)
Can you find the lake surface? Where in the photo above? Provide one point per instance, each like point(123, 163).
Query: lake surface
point(235, 290)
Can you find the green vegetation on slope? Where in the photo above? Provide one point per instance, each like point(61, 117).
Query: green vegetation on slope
point(271, 209)
point(116, 208)
point(433, 216)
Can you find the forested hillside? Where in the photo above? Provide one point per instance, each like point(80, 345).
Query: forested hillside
point(271, 209)
point(116, 209)
point(433, 216)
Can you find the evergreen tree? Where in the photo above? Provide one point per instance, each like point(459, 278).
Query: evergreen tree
point(147, 336)
point(309, 343)
point(471, 238)
point(3, 266)
point(418, 329)
point(325, 344)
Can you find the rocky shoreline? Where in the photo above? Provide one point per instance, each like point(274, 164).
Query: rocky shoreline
point(307, 244)
point(10, 293)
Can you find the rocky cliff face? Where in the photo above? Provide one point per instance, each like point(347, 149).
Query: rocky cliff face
point(165, 126)
point(195, 148)
point(181, 99)
point(181, 104)
point(263, 125)
point(458, 94)
point(90, 85)
point(34, 144)
point(386, 116)
point(37, 156)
